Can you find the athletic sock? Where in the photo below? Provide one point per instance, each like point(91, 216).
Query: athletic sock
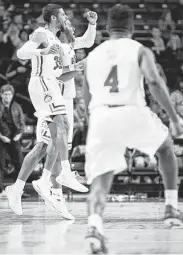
point(95, 220)
point(66, 168)
point(46, 175)
point(19, 185)
point(171, 198)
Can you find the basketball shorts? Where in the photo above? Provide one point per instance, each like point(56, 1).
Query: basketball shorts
point(42, 130)
point(112, 130)
point(46, 96)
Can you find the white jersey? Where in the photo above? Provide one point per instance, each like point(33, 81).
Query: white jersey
point(48, 65)
point(85, 41)
point(113, 74)
point(69, 58)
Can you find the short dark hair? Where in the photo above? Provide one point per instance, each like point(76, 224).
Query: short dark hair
point(120, 18)
point(6, 88)
point(49, 10)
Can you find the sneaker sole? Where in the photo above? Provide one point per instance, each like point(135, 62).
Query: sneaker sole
point(6, 193)
point(70, 187)
point(92, 245)
point(60, 213)
point(52, 208)
point(173, 222)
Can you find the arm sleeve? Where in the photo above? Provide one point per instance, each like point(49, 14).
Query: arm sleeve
point(28, 50)
point(87, 40)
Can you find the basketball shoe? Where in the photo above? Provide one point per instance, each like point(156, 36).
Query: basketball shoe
point(14, 199)
point(173, 217)
point(58, 204)
point(70, 180)
point(95, 243)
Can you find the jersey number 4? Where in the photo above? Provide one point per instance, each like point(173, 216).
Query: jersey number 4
point(112, 80)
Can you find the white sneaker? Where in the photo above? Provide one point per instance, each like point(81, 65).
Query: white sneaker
point(14, 199)
point(71, 182)
point(58, 204)
point(42, 189)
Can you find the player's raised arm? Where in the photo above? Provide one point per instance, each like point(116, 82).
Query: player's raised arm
point(87, 40)
point(156, 84)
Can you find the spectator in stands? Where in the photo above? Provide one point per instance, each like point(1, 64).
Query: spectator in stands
point(177, 13)
point(78, 22)
point(6, 47)
point(166, 24)
point(80, 54)
point(18, 21)
point(174, 43)
point(177, 98)
point(18, 74)
point(80, 123)
point(158, 42)
point(11, 129)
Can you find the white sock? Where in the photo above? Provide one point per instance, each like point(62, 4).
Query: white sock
point(19, 185)
point(66, 168)
point(46, 175)
point(95, 220)
point(171, 197)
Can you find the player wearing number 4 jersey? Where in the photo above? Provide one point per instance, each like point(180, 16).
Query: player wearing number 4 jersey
point(119, 118)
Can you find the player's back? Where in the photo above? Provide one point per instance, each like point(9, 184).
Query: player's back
point(50, 64)
point(114, 75)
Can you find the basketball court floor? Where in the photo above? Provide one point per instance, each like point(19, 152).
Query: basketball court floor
point(131, 228)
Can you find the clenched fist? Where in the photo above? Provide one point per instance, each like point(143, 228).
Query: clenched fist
point(92, 17)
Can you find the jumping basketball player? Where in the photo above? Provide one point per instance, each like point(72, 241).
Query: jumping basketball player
point(44, 50)
point(119, 118)
point(43, 134)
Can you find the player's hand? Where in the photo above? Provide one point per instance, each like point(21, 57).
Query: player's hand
point(79, 66)
point(5, 139)
point(17, 137)
point(92, 17)
point(176, 129)
point(52, 49)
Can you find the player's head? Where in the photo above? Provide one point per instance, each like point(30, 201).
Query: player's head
point(70, 31)
point(120, 19)
point(53, 13)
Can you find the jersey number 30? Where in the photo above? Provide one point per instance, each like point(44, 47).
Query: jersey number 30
point(112, 80)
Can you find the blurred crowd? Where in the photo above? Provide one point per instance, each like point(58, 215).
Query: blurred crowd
point(15, 29)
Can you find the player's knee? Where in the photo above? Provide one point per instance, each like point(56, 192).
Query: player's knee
point(97, 196)
point(166, 148)
point(53, 147)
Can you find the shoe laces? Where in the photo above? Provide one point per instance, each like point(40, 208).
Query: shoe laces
point(78, 176)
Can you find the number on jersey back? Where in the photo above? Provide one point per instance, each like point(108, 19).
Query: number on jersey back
point(112, 80)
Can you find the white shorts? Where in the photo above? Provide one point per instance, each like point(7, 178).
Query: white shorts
point(111, 130)
point(43, 132)
point(46, 96)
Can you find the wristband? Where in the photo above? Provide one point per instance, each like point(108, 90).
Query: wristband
point(72, 68)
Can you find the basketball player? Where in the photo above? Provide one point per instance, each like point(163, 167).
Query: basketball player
point(86, 41)
point(43, 134)
point(44, 50)
point(119, 118)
